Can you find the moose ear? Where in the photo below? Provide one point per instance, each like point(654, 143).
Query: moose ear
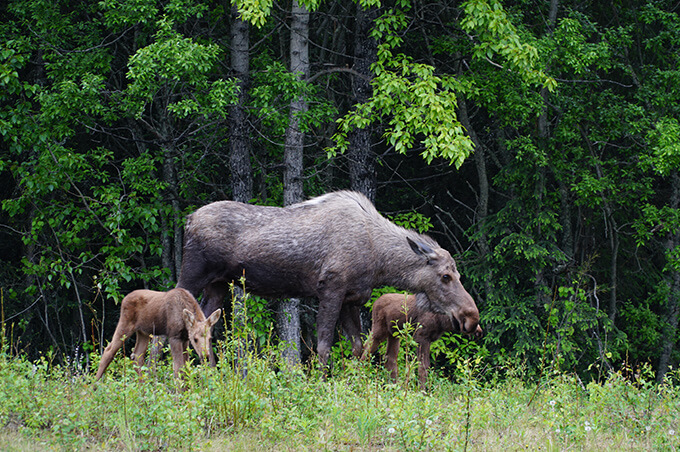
point(189, 318)
point(421, 249)
point(214, 317)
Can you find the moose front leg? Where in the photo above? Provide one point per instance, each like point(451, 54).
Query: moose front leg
point(327, 318)
point(351, 326)
point(214, 295)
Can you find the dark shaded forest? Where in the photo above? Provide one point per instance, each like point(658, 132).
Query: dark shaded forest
point(537, 141)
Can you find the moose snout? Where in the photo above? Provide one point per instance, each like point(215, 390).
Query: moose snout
point(470, 325)
point(466, 312)
point(477, 334)
point(469, 322)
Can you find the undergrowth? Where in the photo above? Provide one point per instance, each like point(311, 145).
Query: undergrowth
point(247, 402)
point(250, 404)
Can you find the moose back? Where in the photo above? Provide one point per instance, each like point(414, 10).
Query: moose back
point(335, 247)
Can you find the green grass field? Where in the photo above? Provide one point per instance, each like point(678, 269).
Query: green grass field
point(45, 406)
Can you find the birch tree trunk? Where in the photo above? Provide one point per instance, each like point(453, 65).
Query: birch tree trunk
point(288, 320)
point(239, 153)
point(362, 171)
point(239, 137)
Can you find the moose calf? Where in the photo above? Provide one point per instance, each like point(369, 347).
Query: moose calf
point(174, 314)
point(390, 312)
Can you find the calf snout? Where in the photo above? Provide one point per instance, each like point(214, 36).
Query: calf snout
point(211, 359)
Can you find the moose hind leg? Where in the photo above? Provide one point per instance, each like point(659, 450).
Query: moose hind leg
point(214, 295)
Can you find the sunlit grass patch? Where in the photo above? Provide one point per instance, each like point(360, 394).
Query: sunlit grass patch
point(252, 401)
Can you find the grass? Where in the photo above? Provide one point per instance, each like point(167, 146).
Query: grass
point(249, 404)
point(44, 406)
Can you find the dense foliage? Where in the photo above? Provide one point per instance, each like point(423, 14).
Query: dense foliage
point(537, 141)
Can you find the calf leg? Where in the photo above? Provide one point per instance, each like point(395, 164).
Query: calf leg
point(116, 343)
point(379, 332)
point(376, 338)
point(141, 345)
point(372, 343)
point(179, 350)
point(391, 356)
point(155, 350)
point(424, 362)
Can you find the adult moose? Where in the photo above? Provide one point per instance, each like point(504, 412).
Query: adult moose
point(335, 247)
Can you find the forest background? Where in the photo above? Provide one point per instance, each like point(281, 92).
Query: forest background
point(538, 141)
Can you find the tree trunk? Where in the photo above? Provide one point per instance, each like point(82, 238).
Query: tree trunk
point(362, 173)
point(299, 65)
point(288, 320)
point(482, 210)
point(171, 255)
point(672, 281)
point(239, 137)
point(360, 155)
point(239, 155)
point(540, 282)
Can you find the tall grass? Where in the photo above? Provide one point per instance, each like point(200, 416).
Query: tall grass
point(250, 404)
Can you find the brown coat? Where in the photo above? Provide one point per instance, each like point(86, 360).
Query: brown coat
point(174, 314)
point(390, 312)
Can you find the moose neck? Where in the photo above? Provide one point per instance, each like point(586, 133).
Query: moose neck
point(399, 265)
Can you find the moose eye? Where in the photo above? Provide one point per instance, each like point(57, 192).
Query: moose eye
point(446, 278)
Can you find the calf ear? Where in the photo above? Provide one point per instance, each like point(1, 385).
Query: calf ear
point(214, 317)
point(421, 249)
point(189, 318)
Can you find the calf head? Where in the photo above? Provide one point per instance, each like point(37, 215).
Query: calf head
point(200, 333)
point(439, 280)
